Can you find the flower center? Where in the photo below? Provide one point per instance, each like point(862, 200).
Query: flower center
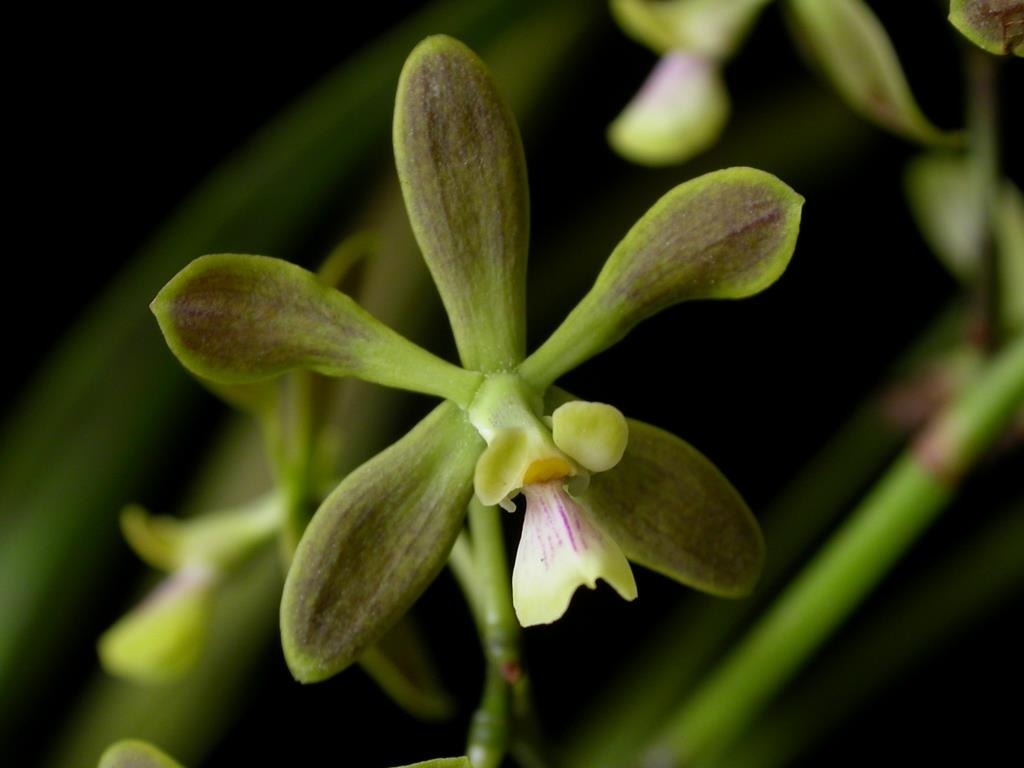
point(546, 470)
point(523, 450)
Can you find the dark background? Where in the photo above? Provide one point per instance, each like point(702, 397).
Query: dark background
point(112, 130)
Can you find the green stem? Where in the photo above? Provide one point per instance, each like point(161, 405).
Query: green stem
point(973, 581)
point(489, 731)
point(290, 445)
point(983, 151)
point(461, 562)
point(916, 488)
point(693, 636)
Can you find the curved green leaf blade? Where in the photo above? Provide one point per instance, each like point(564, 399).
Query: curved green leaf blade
point(847, 42)
point(132, 753)
point(724, 235)
point(997, 26)
point(463, 175)
point(442, 762)
point(235, 319)
point(671, 510)
point(679, 112)
point(376, 543)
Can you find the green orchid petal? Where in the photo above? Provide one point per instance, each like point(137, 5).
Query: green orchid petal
point(562, 548)
point(678, 113)
point(997, 26)
point(131, 753)
point(161, 639)
point(671, 510)
point(463, 175)
point(724, 235)
point(713, 28)
point(847, 42)
point(376, 543)
point(236, 319)
point(260, 398)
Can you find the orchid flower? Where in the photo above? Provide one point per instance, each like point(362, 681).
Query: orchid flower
point(683, 106)
point(598, 488)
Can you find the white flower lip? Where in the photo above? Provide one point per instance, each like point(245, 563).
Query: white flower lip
point(562, 548)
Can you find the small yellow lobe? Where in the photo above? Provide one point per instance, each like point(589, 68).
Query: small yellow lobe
point(545, 470)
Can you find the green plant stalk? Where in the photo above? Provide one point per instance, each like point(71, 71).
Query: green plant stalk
point(489, 731)
point(914, 491)
point(972, 582)
point(692, 637)
point(291, 447)
point(983, 151)
point(460, 561)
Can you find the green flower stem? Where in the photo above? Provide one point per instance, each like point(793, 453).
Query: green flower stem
point(291, 447)
point(464, 570)
point(910, 496)
point(972, 582)
point(489, 731)
point(690, 639)
point(983, 151)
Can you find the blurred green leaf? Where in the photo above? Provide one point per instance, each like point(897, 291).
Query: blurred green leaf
point(847, 42)
point(725, 235)
point(997, 26)
point(442, 762)
point(975, 578)
point(463, 175)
